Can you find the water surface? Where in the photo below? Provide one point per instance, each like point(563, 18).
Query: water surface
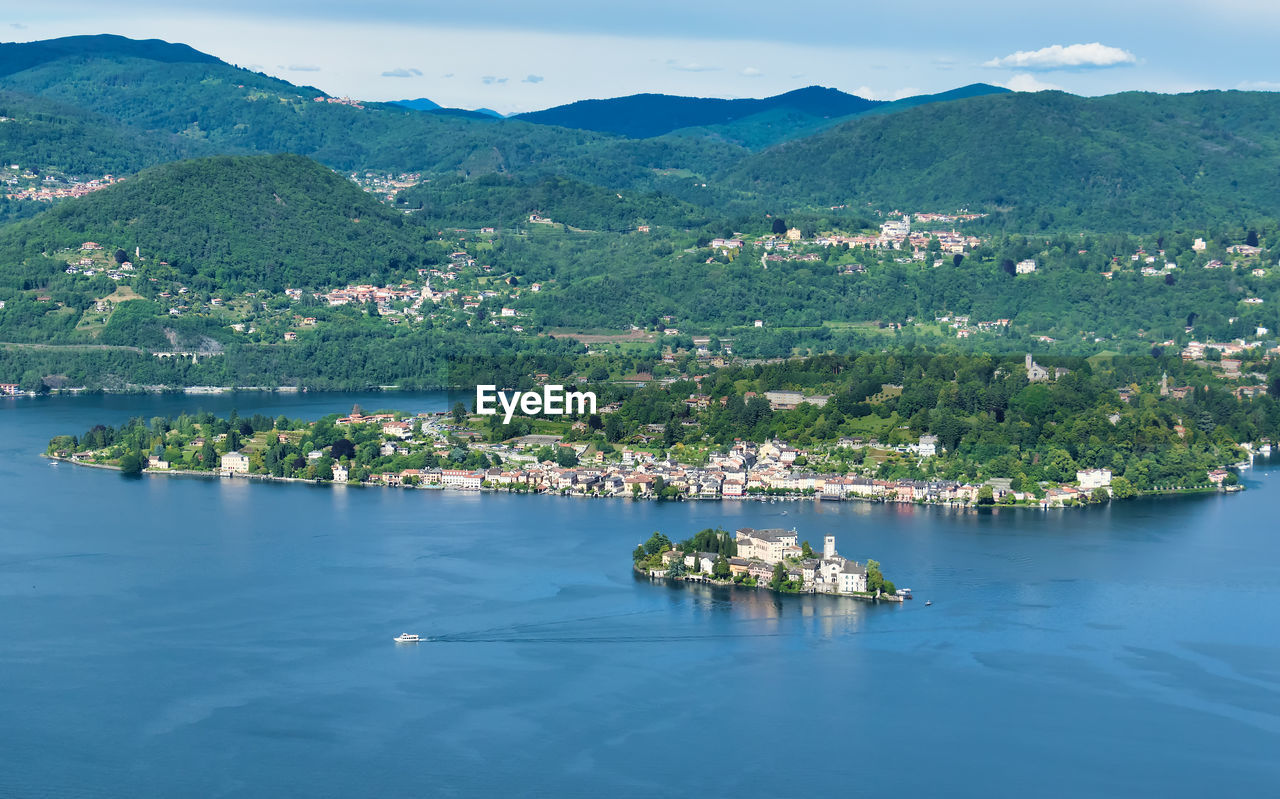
point(203, 637)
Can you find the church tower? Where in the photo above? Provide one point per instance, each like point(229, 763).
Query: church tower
point(829, 547)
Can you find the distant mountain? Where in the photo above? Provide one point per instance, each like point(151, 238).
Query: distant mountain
point(776, 125)
point(423, 104)
point(420, 104)
point(646, 115)
point(1047, 160)
point(207, 107)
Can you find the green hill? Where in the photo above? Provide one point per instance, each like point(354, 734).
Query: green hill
point(1048, 160)
point(229, 223)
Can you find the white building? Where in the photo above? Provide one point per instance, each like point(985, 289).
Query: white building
point(1025, 267)
point(852, 578)
point(235, 463)
point(1090, 479)
point(340, 473)
point(928, 446)
point(769, 546)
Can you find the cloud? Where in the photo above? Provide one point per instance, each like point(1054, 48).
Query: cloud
point(17, 26)
point(447, 75)
point(302, 68)
point(1026, 82)
point(533, 79)
point(489, 80)
point(751, 72)
point(693, 66)
point(401, 72)
point(1258, 86)
point(1072, 56)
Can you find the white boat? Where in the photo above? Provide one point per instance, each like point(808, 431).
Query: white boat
point(408, 638)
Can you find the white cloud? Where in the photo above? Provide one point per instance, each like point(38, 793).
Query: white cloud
point(489, 80)
point(17, 26)
point(751, 72)
point(401, 72)
point(533, 79)
point(694, 66)
point(303, 68)
point(1026, 82)
point(1072, 56)
point(1259, 86)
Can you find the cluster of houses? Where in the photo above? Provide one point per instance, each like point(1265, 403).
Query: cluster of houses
point(745, 471)
point(386, 186)
point(759, 552)
point(895, 234)
point(54, 190)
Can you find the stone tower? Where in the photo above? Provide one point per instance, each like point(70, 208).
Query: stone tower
point(829, 547)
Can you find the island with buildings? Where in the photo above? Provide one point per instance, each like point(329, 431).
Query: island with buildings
point(774, 559)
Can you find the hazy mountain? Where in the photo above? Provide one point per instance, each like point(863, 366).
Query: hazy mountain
point(646, 115)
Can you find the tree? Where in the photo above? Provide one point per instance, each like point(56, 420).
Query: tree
point(459, 412)
point(131, 465)
point(875, 578)
point(986, 496)
point(208, 455)
point(1100, 494)
point(657, 543)
point(779, 576)
point(779, 226)
point(32, 381)
point(1121, 488)
point(720, 570)
point(1251, 238)
point(670, 433)
point(614, 427)
point(343, 448)
point(806, 551)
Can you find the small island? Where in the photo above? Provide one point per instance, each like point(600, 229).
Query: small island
point(772, 559)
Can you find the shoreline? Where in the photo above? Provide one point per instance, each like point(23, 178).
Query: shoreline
point(711, 581)
point(818, 498)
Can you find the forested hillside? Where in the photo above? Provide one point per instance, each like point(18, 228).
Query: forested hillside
point(229, 223)
point(1125, 162)
point(505, 201)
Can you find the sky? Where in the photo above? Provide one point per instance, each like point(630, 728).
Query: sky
point(517, 55)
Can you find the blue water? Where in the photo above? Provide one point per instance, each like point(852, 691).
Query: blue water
point(195, 637)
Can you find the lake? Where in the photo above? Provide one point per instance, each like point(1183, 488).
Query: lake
point(174, 636)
